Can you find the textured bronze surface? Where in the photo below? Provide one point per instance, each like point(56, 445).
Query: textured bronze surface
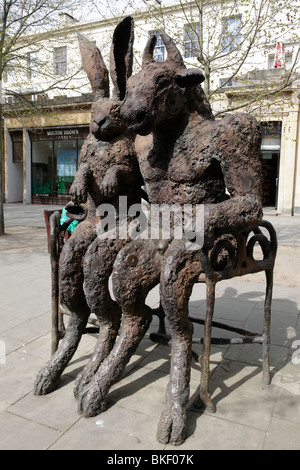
point(184, 157)
point(108, 168)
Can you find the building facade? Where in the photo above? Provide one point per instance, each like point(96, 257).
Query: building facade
point(41, 152)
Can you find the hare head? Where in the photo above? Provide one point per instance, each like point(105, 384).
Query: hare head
point(105, 116)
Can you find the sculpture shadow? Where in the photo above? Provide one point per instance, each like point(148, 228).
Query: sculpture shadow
point(227, 364)
point(234, 361)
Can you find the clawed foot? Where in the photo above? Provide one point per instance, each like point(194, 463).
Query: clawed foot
point(92, 400)
point(84, 378)
point(46, 381)
point(172, 426)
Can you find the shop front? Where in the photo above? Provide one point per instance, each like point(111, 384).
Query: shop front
point(54, 161)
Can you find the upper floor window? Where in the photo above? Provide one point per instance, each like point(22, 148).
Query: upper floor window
point(287, 60)
point(9, 72)
point(60, 60)
point(225, 82)
point(231, 33)
point(191, 40)
point(33, 65)
point(159, 50)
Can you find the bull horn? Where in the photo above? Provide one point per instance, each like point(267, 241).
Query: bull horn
point(173, 51)
point(148, 52)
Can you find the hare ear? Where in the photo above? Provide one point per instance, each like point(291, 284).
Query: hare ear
point(95, 67)
point(121, 56)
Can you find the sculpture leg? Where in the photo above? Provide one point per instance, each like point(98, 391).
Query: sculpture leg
point(73, 298)
point(267, 328)
point(179, 273)
point(135, 273)
point(205, 372)
point(97, 267)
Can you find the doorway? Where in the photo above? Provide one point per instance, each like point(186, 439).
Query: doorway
point(270, 154)
point(270, 170)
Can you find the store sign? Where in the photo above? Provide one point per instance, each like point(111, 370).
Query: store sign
point(63, 134)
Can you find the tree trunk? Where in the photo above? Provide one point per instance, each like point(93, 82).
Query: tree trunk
point(2, 229)
point(206, 84)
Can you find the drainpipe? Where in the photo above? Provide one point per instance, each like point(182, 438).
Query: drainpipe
point(297, 150)
point(24, 165)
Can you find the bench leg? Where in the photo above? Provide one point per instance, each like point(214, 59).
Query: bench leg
point(205, 372)
point(267, 327)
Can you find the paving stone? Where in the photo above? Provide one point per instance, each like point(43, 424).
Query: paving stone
point(58, 410)
point(282, 435)
point(117, 428)
point(18, 433)
point(240, 396)
point(208, 432)
point(249, 415)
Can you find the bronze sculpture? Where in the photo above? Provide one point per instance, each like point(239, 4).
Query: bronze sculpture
point(107, 169)
point(185, 157)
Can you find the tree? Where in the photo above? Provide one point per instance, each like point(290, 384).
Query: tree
point(227, 40)
point(24, 24)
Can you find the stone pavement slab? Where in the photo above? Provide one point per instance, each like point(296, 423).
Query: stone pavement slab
point(249, 414)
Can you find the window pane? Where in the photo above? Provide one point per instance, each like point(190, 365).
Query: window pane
point(60, 60)
point(42, 167)
point(191, 40)
point(65, 155)
point(231, 33)
point(33, 65)
point(159, 50)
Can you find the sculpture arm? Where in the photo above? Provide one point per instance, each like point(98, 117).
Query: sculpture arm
point(79, 188)
point(242, 172)
point(116, 176)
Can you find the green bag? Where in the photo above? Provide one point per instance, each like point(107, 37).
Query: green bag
point(63, 219)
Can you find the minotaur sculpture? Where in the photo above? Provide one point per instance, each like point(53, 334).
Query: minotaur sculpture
point(185, 157)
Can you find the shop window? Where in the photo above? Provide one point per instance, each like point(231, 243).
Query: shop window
point(54, 163)
point(42, 169)
point(65, 155)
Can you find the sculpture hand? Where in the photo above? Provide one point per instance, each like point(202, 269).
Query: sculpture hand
point(78, 192)
point(110, 185)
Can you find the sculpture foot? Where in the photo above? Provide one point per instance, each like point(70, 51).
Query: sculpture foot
point(84, 378)
point(46, 381)
point(92, 401)
point(172, 427)
point(208, 403)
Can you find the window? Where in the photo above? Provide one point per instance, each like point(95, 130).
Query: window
point(33, 65)
point(226, 82)
point(191, 40)
point(65, 156)
point(159, 50)
point(9, 72)
point(60, 60)
point(54, 157)
point(288, 60)
point(231, 33)
point(17, 146)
